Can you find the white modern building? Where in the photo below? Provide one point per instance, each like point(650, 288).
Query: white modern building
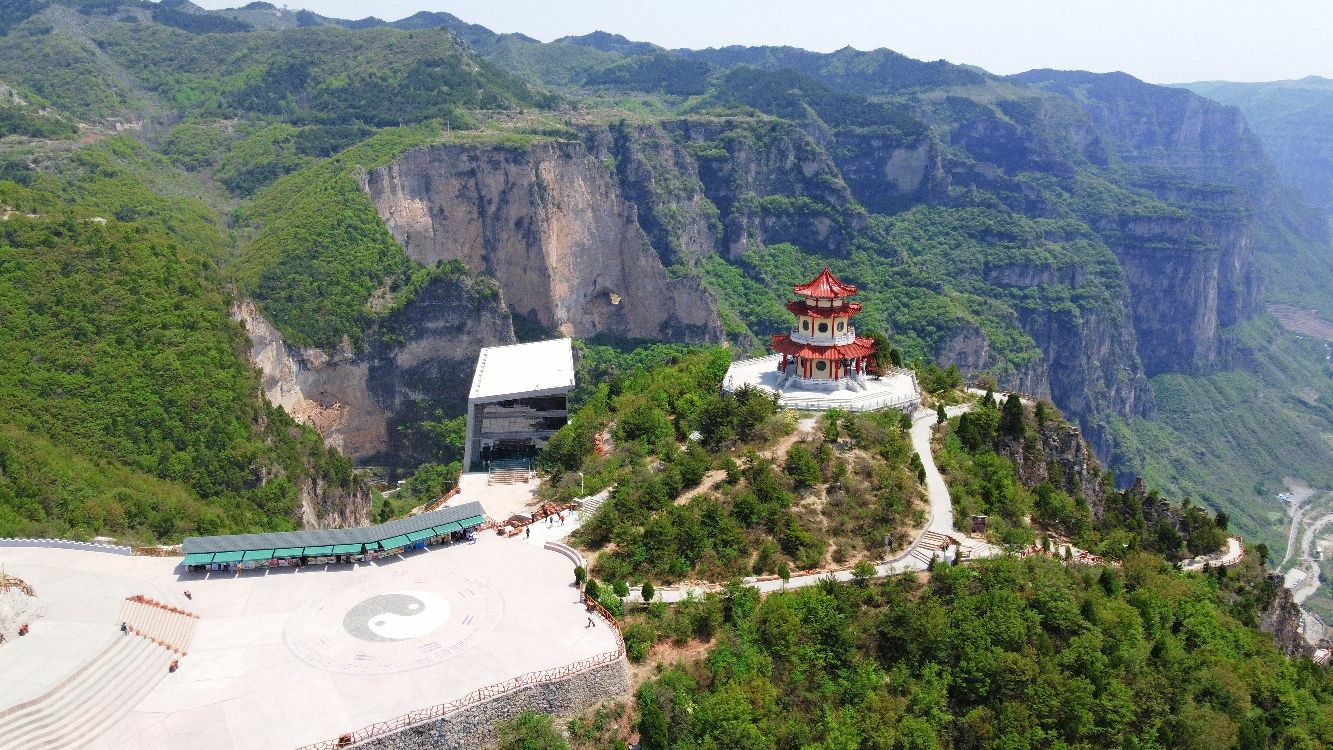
point(519, 398)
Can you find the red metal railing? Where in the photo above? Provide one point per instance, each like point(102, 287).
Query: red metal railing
point(481, 695)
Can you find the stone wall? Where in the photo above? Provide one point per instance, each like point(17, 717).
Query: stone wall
point(66, 544)
point(475, 726)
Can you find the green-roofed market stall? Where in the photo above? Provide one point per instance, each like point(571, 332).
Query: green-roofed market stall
point(347, 545)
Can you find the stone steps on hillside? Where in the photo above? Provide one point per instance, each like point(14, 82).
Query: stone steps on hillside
point(75, 712)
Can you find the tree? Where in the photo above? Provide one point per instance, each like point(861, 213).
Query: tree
point(647, 592)
point(1042, 413)
point(652, 721)
point(386, 512)
point(882, 356)
point(895, 357)
point(580, 575)
point(863, 571)
point(803, 467)
point(940, 416)
point(531, 731)
point(1011, 417)
point(592, 590)
point(784, 572)
point(621, 588)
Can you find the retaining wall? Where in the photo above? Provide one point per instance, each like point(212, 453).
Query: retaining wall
point(66, 544)
point(474, 727)
point(568, 552)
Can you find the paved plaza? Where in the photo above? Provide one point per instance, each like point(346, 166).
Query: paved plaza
point(285, 657)
point(893, 391)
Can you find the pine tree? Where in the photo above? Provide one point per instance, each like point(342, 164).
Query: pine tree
point(1011, 418)
point(940, 416)
point(652, 722)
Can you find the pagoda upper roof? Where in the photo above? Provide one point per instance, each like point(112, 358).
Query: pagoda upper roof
point(858, 347)
point(799, 307)
point(825, 286)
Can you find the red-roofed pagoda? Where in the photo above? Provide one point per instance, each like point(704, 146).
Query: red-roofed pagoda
point(822, 346)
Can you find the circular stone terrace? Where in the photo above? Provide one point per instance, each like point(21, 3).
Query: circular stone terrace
point(897, 389)
point(285, 657)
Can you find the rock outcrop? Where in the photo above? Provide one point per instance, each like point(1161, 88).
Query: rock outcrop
point(1057, 453)
point(1192, 271)
point(420, 361)
point(1282, 619)
point(551, 224)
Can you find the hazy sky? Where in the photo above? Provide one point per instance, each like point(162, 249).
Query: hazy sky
point(1161, 41)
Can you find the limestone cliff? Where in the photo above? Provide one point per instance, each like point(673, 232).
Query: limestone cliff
point(1193, 272)
point(550, 223)
point(420, 361)
point(771, 183)
point(1056, 452)
point(1283, 618)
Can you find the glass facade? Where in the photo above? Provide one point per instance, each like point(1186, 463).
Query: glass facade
point(515, 428)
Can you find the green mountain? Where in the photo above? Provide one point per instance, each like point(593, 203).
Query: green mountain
point(1090, 238)
point(1294, 119)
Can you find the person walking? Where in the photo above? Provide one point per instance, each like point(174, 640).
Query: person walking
point(527, 532)
point(590, 624)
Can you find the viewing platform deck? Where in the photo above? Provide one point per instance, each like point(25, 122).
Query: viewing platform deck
point(896, 389)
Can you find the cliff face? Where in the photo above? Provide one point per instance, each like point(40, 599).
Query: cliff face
point(1057, 453)
point(421, 361)
point(1282, 619)
point(550, 223)
point(1191, 271)
point(1090, 365)
point(771, 183)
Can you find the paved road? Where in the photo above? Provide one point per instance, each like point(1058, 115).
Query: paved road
point(1298, 498)
point(941, 505)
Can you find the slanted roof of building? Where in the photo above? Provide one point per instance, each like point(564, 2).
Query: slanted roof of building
point(825, 286)
point(535, 369)
point(241, 543)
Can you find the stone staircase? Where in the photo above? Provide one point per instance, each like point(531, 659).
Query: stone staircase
point(167, 626)
point(98, 694)
point(509, 476)
point(931, 545)
point(76, 712)
point(589, 505)
point(509, 471)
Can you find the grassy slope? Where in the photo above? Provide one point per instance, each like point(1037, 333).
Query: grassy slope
point(117, 347)
point(1231, 438)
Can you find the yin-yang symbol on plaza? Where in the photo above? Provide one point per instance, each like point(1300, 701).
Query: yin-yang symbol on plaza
point(396, 616)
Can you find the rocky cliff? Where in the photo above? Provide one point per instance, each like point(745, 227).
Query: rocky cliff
point(1191, 269)
point(551, 224)
point(420, 362)
point(1057, 453)
point(1283, 618)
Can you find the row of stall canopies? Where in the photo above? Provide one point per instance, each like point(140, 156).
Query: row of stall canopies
point(332, 545)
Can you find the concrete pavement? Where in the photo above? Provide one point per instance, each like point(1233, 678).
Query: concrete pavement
point(292, 656)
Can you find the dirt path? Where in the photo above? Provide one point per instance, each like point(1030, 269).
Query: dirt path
point(711, 480)
point(805, 429)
